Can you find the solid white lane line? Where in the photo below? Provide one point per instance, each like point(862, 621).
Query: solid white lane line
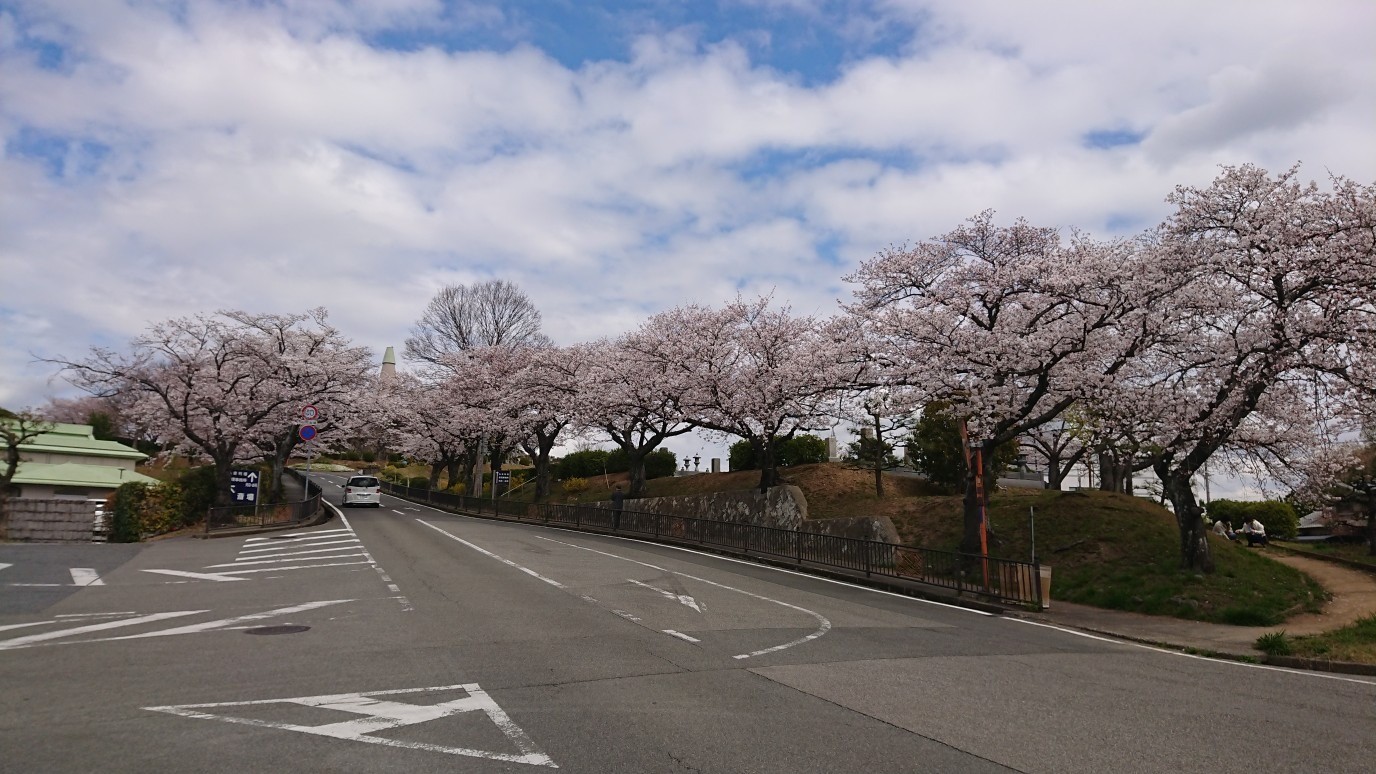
point(85, 576)
point(210, 576)
point(486, 552)
point(242, 563)
point(93, 615)
point(681, 635)
point(21, 642)
point(337, 540)
point(405, 603)
point(226, 622)
point(824, 625)
point(1267, 667)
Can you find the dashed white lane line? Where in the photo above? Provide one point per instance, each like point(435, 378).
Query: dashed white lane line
point(486, 552)
point(682, 599)
point(681, 635)
point(824, 625)
point(397, 512)
point(381, 573)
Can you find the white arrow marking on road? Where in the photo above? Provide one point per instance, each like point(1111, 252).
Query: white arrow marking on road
point(210, 576)
point(376, 716)
point(21, 642)
point(3, 565)
point(824, 625)
point(7, 627)
point(682, 599)
point(85, 576)
point(681, 635)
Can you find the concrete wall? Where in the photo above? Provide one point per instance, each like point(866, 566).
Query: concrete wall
point(784, 507)
point(49, 521)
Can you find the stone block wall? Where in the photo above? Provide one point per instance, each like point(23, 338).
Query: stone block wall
point(784, 507)
point(49, 521)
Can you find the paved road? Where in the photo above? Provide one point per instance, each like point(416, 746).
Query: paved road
point(440, 643)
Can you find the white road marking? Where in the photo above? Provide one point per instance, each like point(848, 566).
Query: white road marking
point(302, 536)
point(626, 615)
point(85, 576)
point(1267, 667)
point(23, 642)
point(486, 552)
point(210, 576)
point(397, 512)
point(37, 584)
point(376, 716)
point(292, 567)
point(824, 625)
point(681, 635)
point(682, 599)
point(7, 627)
point(288, 558)
point(93, 615)
point(334, 541)
point(3, 565)
point(405, 603)
point(224, 623)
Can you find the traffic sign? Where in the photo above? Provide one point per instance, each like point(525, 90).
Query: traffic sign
point(504, 477)
point(243, 486)
point(307, 432)
point(310, 413)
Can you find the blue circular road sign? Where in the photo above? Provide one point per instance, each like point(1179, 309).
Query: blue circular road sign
point(307, 432)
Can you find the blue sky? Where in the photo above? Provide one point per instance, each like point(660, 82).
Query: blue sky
point(163, 157)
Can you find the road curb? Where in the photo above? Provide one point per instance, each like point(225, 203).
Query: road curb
point(1320, 665)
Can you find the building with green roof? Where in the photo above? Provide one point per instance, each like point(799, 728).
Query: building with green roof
point(69, 462)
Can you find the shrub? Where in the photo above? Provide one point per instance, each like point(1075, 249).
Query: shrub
point(1278, 517)
point(1274, 644)
point(583, 464)
point(368, 455)
point(418, 482)
point(799, 450)
point(125, 513)
point(459, 488)
point(198, 493)
point(575, 485)
point(660, 463)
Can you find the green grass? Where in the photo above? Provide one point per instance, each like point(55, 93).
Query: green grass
point(1356, 643)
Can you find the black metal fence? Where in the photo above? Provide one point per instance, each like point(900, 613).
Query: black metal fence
point(274, 515)
point(1004, 580)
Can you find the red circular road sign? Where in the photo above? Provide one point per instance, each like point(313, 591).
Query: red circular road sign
point(307, 432)
point(310, 413)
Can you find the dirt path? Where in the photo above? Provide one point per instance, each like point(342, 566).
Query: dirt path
point(1354, 595)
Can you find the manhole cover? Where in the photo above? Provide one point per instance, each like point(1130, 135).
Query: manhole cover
point(277, 630)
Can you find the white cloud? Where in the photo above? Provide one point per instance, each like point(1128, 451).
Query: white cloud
point(269, 158)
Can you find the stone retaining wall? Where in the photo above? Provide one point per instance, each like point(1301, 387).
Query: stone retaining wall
point(49, 521)
point(784, 507)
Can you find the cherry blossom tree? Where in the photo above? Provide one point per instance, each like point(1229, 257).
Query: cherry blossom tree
point(1010, 325)
point(1281, 277)
point(1056, 445)
point(209, 384)
point(747, 370)
point(628, 395)
point(422, 423)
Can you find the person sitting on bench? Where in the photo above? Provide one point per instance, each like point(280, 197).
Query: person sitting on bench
point(1255, 532)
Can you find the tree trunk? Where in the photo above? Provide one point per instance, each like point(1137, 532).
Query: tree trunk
point(1371, 519)
point(1189, 517)
point(282, 449)
point(435, 469)
point(879, 478)
point(544, 444)
point(765, 459)
point(973, 517)
point(224, 467)
point(636, 459)
point(452, 473)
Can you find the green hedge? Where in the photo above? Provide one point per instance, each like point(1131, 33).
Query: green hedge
point(138, 510)
point(799, 450)
point(1278, 517)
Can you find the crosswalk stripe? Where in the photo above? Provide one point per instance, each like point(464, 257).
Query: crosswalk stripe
point(302, 536)
point(242, 563)
point(269, 549)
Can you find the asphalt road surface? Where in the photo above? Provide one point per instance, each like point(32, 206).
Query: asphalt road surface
point(405, 639)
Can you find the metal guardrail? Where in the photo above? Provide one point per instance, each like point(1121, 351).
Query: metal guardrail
point(275, 515)
point(1004, 580)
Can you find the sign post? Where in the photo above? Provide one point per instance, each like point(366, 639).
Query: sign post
point(502, 477)
point(308, 433)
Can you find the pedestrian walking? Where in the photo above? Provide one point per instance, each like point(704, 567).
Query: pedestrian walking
point(617, 497)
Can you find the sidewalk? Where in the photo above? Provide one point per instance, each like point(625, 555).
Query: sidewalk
point(1354, 596)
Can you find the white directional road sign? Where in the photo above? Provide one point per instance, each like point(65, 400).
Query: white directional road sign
point(243, 486)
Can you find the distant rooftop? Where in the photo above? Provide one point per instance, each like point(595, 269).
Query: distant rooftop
point(63, 438)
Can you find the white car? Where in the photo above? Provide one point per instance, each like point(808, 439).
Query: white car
point(362, 490)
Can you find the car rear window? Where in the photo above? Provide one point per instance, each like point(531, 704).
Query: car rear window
point(362, 481)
